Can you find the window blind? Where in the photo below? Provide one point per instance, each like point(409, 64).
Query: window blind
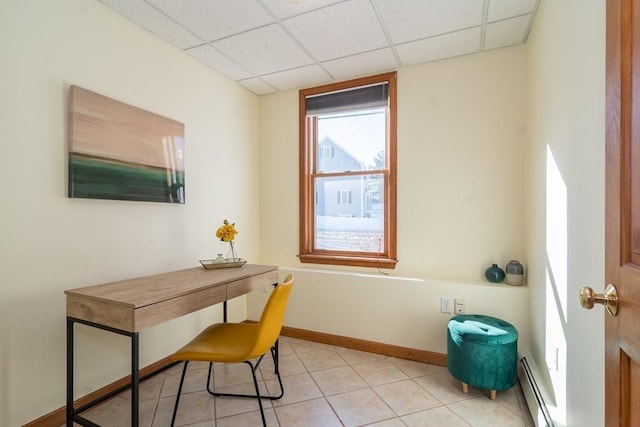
point(348, 100)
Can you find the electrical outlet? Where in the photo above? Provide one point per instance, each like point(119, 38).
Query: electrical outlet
point(446, 305)
point(459, 306)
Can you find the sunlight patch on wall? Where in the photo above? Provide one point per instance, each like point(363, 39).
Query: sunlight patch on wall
point(556, 285)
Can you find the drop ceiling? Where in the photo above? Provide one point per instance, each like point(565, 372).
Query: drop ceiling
point(272, 45)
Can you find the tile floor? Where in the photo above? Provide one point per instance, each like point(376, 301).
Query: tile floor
point(324, 386)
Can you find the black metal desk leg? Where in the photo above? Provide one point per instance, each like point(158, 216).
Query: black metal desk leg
point(224, 311)
point(135, 379)
point(70, 409)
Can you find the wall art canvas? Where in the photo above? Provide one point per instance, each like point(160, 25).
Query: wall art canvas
point(121, 152)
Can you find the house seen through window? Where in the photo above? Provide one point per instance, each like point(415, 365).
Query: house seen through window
point(347, 173)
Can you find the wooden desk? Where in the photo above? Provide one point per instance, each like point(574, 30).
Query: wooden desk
point(129, 306)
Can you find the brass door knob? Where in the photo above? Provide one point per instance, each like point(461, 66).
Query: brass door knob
point(609, 299)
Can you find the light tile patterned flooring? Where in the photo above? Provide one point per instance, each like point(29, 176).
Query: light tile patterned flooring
point(324, 386)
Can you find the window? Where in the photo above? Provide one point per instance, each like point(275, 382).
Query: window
point(344, 197)
point(327, 152)
point(348, 173)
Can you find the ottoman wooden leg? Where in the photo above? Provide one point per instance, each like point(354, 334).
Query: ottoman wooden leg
point(493, 394)
point(465, 388)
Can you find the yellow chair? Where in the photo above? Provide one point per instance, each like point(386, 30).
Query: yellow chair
point(240, 343)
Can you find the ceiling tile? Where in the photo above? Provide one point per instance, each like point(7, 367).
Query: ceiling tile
point(214, 19)
point(365, 63)
point(287, 8)
point(502, 9)
point(505, 33)
point(149, 18)
point(445, 46)
point(268, 45)
point(338, 30)
point(299, 77)
point(408, 20)
point(264, 50)
point(257, 86)
point(214, 59)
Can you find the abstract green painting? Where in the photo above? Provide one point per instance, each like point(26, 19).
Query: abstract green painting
point(121, 152)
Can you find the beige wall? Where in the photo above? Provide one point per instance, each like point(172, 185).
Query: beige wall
point(461, 136)
point(462, 204)
point(565, 203)
point(49, 243)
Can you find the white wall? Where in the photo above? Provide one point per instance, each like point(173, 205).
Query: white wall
point(565, 203)
point(461, 138)
point(49, 243)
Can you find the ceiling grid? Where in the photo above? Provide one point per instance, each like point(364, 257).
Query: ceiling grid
point(271, 45)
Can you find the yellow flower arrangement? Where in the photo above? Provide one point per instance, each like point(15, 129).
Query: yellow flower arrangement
point(226, 233)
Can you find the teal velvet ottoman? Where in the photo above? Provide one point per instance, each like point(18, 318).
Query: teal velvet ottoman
point(482, 352)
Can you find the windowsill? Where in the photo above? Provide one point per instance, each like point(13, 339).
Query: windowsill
point(348, 260)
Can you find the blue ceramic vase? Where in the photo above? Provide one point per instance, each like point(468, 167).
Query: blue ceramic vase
point(494, 274)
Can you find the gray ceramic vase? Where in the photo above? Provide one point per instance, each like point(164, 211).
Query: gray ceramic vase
point(514, 273)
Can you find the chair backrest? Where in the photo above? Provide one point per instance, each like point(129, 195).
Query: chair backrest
point(272, 316)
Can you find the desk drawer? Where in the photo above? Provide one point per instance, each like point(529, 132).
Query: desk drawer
point(250, 284)
point(176, 307)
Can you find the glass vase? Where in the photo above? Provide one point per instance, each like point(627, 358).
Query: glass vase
point(231, 253)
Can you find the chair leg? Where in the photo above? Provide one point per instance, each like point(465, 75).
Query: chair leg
point(213, 393)
point(209, 377)
point(255, 383)
point(254, 369)
point(276, 362)
point(175, 408)
point(275, 353)
point(253, 396)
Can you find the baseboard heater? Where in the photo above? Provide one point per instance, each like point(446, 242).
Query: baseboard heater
point(530, 377)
